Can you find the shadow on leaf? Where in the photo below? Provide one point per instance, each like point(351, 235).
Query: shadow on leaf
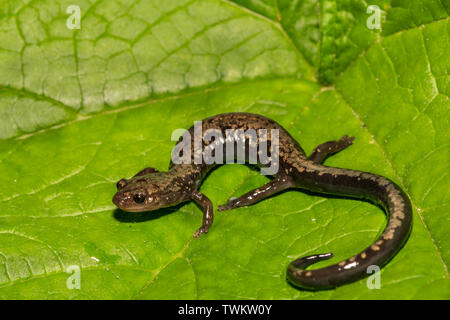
point(124, 216)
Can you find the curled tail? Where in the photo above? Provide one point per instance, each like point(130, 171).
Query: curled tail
point(362, 184)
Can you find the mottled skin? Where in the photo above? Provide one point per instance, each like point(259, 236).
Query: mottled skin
point(151, 190)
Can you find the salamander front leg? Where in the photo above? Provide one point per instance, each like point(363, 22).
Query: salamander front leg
point(326, 149)
point(208, 215)
point(278, 184)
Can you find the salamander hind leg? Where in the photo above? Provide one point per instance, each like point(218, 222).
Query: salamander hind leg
point(322, 151)
point(278, 184)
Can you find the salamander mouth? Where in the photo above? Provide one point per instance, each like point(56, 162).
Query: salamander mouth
point(128, 209)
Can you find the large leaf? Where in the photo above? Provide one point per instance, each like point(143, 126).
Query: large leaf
point(83, 108)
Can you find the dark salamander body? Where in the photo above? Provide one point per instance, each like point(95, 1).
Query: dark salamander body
point(151, 189)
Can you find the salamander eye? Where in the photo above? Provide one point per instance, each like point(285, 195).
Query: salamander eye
point(139, 197)
point(121, 184)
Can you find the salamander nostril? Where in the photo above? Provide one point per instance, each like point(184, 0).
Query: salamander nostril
point(117, 200)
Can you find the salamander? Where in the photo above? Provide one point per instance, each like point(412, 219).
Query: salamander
point(151, 189)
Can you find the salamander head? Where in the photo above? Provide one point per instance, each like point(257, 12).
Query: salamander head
point(147, 192)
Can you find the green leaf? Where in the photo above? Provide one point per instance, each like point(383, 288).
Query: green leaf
point(82, 108)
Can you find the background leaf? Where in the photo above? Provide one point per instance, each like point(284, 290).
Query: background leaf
point(81, 109)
